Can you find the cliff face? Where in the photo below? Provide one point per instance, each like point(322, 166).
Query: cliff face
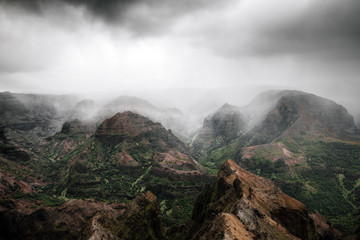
point(241, 205)
point(141, 220)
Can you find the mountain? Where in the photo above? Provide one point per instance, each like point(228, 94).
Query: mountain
point(57, 152)
point(124, 156)
point(221, 127)
point(272, 117)
point(141, 139)
point(242, 205)
point(298, 112)
point(170, 118)
point(55, 148)
point(27, 118)
point(306, 144)
point(30, 117)
point(84, 110)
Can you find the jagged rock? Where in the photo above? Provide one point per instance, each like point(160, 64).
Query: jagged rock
point(241, 205)
point(140, 221)
point(95, 230)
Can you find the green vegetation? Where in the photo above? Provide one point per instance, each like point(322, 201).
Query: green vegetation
point(48, 201)
point(213, 159)
point(329, 185)
point(91, 168)
point(329, 180)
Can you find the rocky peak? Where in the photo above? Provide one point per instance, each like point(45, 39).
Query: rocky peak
point(131, 127)
point(126, 123)
point(241, 205)
point(228, 107)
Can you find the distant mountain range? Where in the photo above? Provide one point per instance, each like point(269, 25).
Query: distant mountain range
point(128, 161)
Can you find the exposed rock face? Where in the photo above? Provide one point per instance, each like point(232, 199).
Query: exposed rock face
point(9, 184)
point(221, 127)
point(324, 229)
point(85, 219)
point(141, 220)
point(96, 231)
point(66, 222)
point(242, 205)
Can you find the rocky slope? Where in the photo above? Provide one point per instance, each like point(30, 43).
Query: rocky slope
point(248, 205)
point(82, 219)
point(241, 205)
point(141, 220)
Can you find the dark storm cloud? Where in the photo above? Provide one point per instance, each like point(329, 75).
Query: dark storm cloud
point(139, 16)
point(326, 28)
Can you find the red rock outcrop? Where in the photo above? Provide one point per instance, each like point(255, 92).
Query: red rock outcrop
point(241, 205)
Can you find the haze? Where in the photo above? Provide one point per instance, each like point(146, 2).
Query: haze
point(174, 52)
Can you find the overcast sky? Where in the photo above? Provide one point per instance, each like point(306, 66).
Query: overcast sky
point(69, 46)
